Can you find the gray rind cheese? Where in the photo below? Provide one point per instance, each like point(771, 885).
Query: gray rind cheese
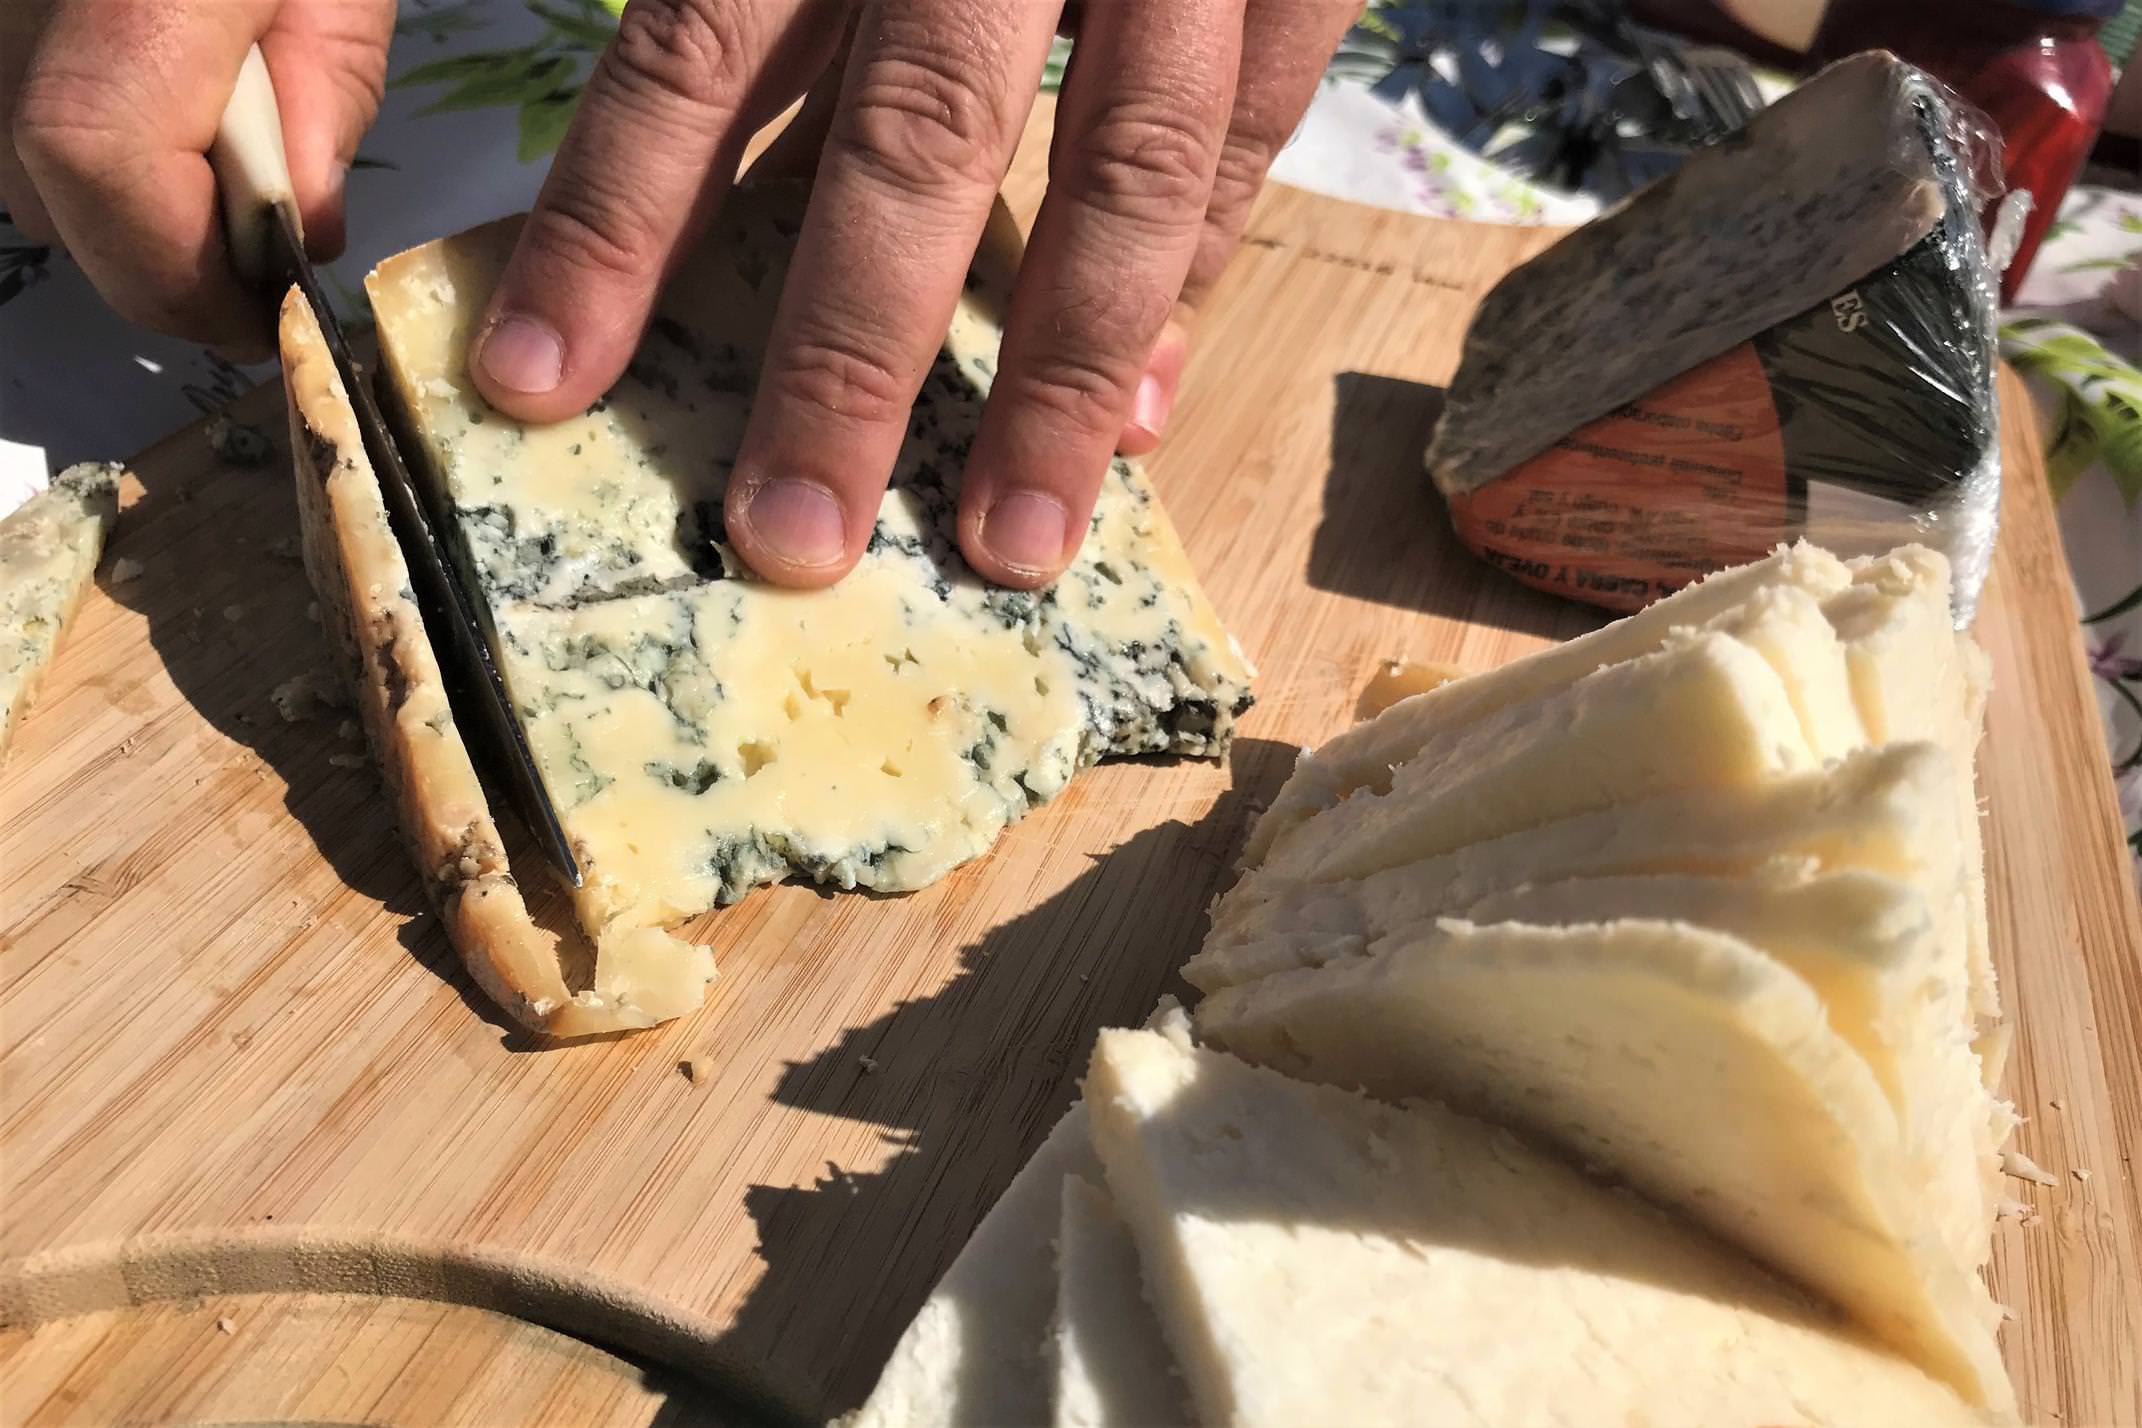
point(703, 732)
point(49, 548)
point(1831, 182)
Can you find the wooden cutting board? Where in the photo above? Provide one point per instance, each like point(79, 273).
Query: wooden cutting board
point(236, 1054)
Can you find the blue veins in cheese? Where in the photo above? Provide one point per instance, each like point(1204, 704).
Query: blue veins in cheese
point(49, 547)
point(1678, 1059)
point(1318, 1257)
point(703, 732)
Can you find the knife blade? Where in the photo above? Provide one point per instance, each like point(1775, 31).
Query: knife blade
point(267, 244)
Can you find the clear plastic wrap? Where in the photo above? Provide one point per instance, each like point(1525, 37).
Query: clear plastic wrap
point(1864, 421)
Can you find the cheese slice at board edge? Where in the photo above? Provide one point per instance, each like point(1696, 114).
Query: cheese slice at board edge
point(1112, 1366)
point(49, 547)
point(1317, 1257)
point(1704, 712)
point(1868, 946)
point(1684, 1062)
point(703, 732)
point(1364, 756)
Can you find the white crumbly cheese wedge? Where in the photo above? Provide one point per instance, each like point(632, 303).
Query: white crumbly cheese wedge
point(49, 548)
point(1682, 1061)
point(1705, 712)
point(1112, 1366)
point(1317, 1257)
point(703, 732)
point(1915, 677)
point(377, 634)
point(977, 1351)
point(1869, 946)
point(1364, 757)
point(1887, 810)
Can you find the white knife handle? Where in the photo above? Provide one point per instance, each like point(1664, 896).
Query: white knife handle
point(252, 170)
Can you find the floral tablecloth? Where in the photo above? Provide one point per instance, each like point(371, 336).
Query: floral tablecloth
point(482, 89)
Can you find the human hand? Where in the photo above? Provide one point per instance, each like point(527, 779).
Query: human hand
point(1169, 116)
point(110, 107)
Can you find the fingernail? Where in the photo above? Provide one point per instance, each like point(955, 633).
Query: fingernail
point(1151, 405)
point(799, 521)
point(523, 355)
point(1025, 530)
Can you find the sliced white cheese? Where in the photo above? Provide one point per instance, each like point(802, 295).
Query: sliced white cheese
point(1705, 712)
point(49, 548)
point(1915, 677)
point(1365, 756)
point(1868, 945)
point(1683, 1061)
point(977, 1351)
point(1112, 1366)
point(703, 732)
point(1319, 1258)
point(1888, 810)
point(1786, 626)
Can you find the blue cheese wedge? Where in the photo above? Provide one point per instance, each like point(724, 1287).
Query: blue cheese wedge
point(1680, 1060)
point(49, 547)
point(1317, 1257)
point(1364, 757)
point(1112, 1365)
point(703, 732)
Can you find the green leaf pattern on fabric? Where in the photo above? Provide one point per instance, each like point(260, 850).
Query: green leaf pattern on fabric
point(2101, 402)
point(541, 82)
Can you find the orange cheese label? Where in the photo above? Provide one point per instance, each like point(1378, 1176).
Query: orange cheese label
point(1629, 508)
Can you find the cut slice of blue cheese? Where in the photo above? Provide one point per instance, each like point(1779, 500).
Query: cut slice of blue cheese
point(1706, 711)
point(1318, 1257)
point(703, 732)
point(49, 547)
point(1112, 1366)
point(376, 633)
point(1682, 1061)
point(1365, 756)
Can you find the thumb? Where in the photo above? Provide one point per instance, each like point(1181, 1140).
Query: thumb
point(329, 62)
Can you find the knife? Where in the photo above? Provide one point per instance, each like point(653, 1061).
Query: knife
point(267, 245)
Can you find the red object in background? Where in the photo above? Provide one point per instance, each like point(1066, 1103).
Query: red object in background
point(2033, 67)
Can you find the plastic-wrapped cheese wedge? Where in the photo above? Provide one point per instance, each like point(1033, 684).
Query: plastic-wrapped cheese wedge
point(1112, 1367)
point(1683, 1061)
point(1363, 757)
point(1913, 677)
point(1705, 712)
point(1317, 1257)
point(1888, 810)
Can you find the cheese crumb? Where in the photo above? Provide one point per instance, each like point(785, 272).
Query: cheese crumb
point(869, 1064)
point(307, 696)
point(346, 761)
point(234, 613)
point(2010, 1210)
point(695, 1068)
point(126, 568)
point(226, 1324)
point(2055, 1104)
point(2016, 1163)
point(2080, 1174)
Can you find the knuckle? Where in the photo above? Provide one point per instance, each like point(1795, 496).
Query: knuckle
point(60, 126)
point(1147, 163)
point(689, 49)
point(841, 376)
point(1243, 161)
point(586, 230)
point(1084, 390)
point(918, 118)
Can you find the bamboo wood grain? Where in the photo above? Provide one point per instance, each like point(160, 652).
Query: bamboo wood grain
point(224, 1011)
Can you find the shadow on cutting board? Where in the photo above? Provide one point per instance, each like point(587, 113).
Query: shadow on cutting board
point(1385, 533)
point(225, 597)
point(1013, 1027)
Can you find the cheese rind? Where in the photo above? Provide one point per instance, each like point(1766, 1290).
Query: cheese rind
point(1683, 1061)
point(703, 732)
point(49, 547)
point(1705, 712)
point(1364, 756)
point(1317, 1257)
point(1112, 1366)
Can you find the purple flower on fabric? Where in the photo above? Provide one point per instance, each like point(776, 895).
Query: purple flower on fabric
point(2107, 660)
